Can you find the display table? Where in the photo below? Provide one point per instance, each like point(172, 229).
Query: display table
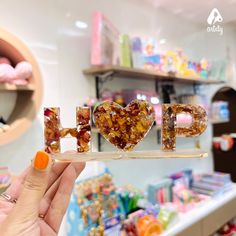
point(207, 218)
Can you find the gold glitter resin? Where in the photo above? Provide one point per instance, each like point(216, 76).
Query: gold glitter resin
point(169, 128)
point(124, 127)
point(53, 130)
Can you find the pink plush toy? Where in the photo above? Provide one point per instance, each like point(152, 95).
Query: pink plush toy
point(4, 60)
point(23, 70)
point(7, 73)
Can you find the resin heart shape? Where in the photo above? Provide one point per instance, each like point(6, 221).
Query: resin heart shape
point(124, 127)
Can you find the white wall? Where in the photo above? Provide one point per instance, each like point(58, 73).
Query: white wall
point(63, 51)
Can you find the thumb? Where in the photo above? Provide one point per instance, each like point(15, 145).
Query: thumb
point(35, 185)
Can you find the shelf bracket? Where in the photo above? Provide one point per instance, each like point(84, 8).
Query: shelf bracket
point(101, 79)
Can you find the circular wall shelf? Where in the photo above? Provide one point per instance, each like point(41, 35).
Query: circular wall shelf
point(29, 96)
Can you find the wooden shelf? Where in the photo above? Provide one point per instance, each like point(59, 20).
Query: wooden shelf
point(13, 87)
point(29, 96)
point(125, 72)
point(134, 155)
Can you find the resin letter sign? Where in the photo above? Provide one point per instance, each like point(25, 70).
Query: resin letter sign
point(53, 131)
point(123, 127)
point(170, 129)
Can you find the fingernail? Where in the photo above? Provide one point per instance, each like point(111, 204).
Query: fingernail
point(41, 160)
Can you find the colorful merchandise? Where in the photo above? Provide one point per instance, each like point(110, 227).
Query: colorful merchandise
point(220, 111)
point(94, 207)
point(129, 198)
point(124, 127)
point(171, 62)
point(148, 225)
point(53, 131)
point(184, 177)
point(226, 143)
point(214, 184)
point(151, 58)
point(145, 54)
point(137, 57)
point(160, 191)
point(125, 54)
point(167, 216)
point(105, 41)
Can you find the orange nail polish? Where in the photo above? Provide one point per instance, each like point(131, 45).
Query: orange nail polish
point(41, 160)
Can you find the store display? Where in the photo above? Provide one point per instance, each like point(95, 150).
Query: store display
point(136, 48)
point(226, 142)
point(148, 225)
point(125, 54)
point(220, 111)
point(95, 208)
point(151, 58)
point(124, 127)
point(105, 41)
point(214, 184)
point(129, 198)
point(169, 129)
point(53, 131)
point(99, 208)
point(160, 191)
point(167, 216)
point(145, 54)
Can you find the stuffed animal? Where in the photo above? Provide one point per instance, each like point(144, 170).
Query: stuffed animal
point(23, 70)
point(18, 75)
point(4, 60)
point(7, 73)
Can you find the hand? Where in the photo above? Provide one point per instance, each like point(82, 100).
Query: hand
point(43, 191)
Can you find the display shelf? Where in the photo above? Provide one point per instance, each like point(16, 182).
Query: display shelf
point(29, 96)
point(124, 72)
point(133, 155)
point(225, 161)
point(13, 87)
point(208, 214)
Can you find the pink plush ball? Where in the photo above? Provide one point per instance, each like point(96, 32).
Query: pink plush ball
point(4, 60)
point(7, 73)
point(23, 70)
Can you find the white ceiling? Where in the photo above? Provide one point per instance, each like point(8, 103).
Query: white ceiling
point(198, 10)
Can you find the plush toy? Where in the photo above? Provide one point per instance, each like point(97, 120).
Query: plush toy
point(18, 75)
point(23, 70)
point(4, 60)
point(7, 73)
